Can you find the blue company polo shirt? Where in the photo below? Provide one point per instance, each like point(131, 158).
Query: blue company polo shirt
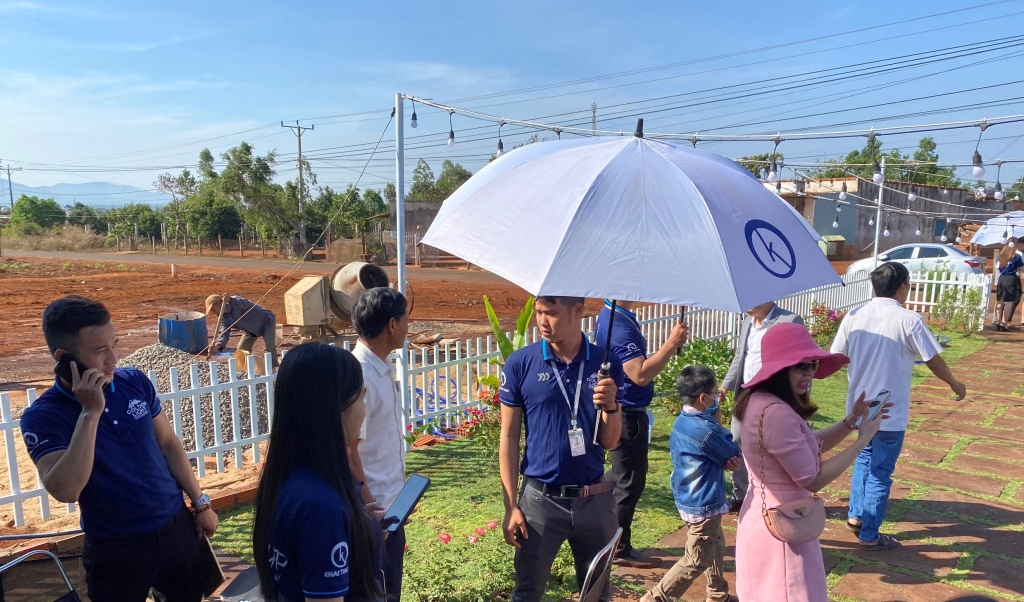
point(527, 382)
point(131, 491)
point(310, 551)
point(628, 343)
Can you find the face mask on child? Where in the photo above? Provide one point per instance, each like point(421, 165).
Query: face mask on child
point(710, 411)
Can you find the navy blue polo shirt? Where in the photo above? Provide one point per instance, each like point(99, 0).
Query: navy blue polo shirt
point(310, 539)
point(528, 382)
point(628, 343)
point(131, 491)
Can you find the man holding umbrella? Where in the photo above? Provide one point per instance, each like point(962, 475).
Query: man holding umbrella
point(562, 497)
point(629, 458)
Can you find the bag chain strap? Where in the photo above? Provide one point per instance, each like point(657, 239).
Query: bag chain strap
point(760, 454)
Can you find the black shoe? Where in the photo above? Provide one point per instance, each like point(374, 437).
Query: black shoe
point(636, 560)
point(735, 505)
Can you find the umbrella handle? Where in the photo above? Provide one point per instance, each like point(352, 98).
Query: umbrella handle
point(603, 373)
point(606, 366)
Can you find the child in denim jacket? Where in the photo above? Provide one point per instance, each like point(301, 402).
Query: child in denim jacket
point(701, 452)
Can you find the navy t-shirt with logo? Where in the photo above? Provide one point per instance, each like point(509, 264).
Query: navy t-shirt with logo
point(310, 540)
point(628, 343)
point(528, 382)
point(131, 490)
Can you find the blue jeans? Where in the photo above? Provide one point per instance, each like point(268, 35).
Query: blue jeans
point(872, 479)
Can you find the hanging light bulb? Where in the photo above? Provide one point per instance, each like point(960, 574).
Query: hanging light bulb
point(838, 209)
point(835, 224)
point(918, 233)
point(943, 238)
point(945, 191)
point(877, 169)
point(1011, 244)
point(871, 222)
point(451, 129)
point(773, 174)
point(979, 167)
point(842, 192)
point(501, 148)
point(911, 197)
point(1006, 234)
point(999, 192)
point(414, 123)
point(980, 193)
point(886, 233)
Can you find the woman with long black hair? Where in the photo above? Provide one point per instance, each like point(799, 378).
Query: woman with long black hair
point(312, 537)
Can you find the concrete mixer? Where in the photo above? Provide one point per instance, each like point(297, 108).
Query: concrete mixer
point(319, 308)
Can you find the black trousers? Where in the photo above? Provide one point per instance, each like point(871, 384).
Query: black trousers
point(629, 472)
point(167, 560)
point(586, 523)
point(394, 559)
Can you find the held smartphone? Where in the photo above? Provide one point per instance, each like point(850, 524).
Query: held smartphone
point(876, 406)
point(63, 367)
point(410, 495)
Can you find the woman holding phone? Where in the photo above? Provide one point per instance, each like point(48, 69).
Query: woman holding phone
point(783, 458)
point(312, 537)
point(1008, 287)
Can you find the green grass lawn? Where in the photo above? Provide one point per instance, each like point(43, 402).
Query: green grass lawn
point(465, 496)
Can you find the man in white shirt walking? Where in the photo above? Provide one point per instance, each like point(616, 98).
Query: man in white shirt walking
point(745, 364)
point(382, 320)
point(882, 339)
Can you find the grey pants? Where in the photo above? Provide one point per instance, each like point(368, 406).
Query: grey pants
point(740, 480)
point(588, 524)
point(269, 335)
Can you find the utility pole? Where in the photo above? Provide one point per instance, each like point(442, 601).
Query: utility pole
point(593, 116)
point(10, 186)
point(297, 130)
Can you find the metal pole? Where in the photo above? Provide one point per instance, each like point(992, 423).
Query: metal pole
point(878, 211)
point(403, 353)
point(400, 190)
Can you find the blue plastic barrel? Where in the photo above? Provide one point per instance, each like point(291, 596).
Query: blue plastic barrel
point(185, 331)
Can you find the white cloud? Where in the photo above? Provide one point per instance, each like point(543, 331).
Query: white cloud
point(25, 7)
point(437, 75)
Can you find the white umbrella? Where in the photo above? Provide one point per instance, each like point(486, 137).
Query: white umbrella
point(997, 229)
point(632, 219)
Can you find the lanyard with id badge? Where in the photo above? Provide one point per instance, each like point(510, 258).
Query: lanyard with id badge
point(577, 442)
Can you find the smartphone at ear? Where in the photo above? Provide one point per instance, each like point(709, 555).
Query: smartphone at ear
point(63, 367)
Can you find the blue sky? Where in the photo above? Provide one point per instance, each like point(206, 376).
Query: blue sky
point(87, 92)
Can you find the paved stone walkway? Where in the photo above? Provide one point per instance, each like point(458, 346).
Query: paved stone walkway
point(957, 504)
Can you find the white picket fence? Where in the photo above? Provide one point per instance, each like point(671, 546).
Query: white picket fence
point(437, 384)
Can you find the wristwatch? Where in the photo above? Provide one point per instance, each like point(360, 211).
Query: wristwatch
point(201, 505)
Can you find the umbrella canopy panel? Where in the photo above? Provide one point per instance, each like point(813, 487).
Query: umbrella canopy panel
point(997, 229)
point(632, 219)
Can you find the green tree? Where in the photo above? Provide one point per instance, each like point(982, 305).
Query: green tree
point(84, 215)
point(759, 165)
point(423, 184)
point(247, 180)
point(452, 176)
point(919, 168)
point(206, 171)
point(125, 218)
point(44, 213)
point(1016, 190)
point(209, 214)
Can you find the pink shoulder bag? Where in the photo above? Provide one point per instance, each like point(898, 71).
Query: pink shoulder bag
point(798, 521)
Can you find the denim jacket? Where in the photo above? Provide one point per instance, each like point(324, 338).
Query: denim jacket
point(700, 447)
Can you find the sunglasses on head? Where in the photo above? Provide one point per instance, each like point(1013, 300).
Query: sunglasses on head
point(807, 366)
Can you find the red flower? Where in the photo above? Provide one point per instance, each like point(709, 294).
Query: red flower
point(492, 525)
point(480, 532)
point(473, 540)
point(445, 538)
point(406, 547)
point(409, 428)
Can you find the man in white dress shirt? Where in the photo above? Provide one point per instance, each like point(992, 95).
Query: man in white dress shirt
point(382, 320)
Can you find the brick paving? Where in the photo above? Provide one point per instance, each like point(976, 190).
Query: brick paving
point(957, 504)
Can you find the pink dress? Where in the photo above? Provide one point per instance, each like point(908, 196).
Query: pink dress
point(769, 570)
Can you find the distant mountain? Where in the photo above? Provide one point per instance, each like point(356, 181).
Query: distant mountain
point(97, 194)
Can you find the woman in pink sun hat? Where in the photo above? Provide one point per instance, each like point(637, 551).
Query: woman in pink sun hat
point(783, 457)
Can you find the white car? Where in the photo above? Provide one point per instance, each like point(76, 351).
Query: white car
point(925, 257)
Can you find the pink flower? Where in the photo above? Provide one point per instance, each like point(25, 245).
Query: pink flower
point(492, 525)
point(445, 538)
point(406, 547)
point(473, 540)
point(480, 532)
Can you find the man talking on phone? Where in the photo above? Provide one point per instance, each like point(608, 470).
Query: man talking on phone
point(98, 437)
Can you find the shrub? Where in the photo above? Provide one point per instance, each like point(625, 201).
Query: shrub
point(714, 353)
point(825, 324)
point(960, 309)
point(30, 237)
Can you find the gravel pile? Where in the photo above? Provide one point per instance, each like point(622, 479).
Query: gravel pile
point(161, 358)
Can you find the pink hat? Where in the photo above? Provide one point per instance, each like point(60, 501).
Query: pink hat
point(788, 344)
